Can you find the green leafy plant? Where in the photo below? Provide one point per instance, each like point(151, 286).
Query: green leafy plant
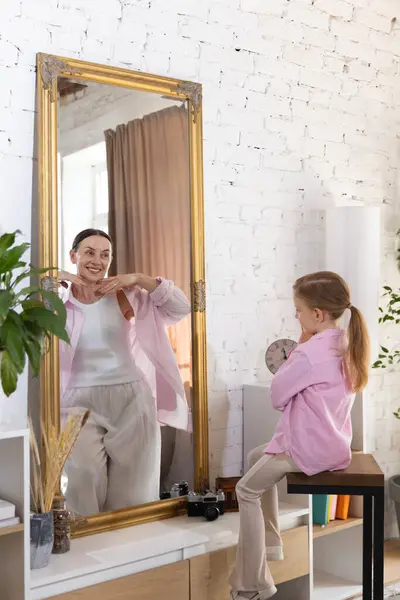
point(29, 316)
point(389, 314)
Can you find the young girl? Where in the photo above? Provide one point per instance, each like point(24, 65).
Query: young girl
point(314, 390)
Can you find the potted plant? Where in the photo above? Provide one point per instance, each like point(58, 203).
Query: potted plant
point(28, 315)
point(57, 447)
point(391, 314)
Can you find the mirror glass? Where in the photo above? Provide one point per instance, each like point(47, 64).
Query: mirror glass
point(124, 237)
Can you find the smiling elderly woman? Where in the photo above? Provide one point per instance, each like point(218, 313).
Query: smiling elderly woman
point(121, 366)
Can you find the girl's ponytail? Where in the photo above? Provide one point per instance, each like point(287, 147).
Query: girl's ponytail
point(358, 353)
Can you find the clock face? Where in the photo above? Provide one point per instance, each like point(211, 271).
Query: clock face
point(277, 353)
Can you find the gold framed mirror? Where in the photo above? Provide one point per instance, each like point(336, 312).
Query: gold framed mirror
point(90, 117)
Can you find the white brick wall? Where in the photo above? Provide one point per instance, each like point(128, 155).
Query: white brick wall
point(301, 112)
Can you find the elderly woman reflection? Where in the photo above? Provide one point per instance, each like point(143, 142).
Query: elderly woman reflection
point(120, 366)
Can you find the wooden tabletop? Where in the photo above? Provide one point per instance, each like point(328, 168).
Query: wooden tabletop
point(363, 471)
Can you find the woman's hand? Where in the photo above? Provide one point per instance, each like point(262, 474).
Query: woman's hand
point(80, 288)
point(111, 285)
point(76, 280)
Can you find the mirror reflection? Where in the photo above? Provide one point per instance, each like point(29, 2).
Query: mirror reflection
point(124, 256)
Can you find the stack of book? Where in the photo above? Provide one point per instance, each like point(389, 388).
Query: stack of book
point(7, 514)
point(329, 508)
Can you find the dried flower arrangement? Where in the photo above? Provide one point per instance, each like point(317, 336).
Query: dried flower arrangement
point(57, 448)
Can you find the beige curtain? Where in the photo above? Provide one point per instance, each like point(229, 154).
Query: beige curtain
point(149, 206)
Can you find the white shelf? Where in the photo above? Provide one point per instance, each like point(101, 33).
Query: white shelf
point(11, 529)
point(292, 511)
point(122, 552)
point(336, 527)
point(14, 487)
point(8, 432)
point(329, 587)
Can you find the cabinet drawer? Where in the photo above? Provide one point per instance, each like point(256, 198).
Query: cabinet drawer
point(296, 551)
point(149, 585)
point(209, 573)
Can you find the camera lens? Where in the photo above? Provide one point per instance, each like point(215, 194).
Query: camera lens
point(211, 513)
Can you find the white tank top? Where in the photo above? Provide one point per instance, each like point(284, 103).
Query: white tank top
point(103, 354)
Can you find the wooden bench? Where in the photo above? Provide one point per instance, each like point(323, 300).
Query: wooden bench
point(364, 478)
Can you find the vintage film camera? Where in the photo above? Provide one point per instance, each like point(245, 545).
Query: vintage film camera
point(208, 505)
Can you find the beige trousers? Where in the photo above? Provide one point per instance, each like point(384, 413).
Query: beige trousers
point(115, 462)
point(259, 535)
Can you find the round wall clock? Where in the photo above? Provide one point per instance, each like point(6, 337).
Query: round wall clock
point(278, 353)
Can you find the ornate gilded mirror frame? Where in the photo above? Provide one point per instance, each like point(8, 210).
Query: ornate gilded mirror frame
point(49, 70)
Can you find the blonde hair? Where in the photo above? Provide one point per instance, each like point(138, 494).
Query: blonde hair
point(330, 293)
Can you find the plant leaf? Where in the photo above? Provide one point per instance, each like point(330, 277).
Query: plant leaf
point(21, 277)
point(56, 304)
point(34, 330)
point(377, 364)
point(33, 350)
point(37, 271)
point(12, 338)
point(9, 375)
point(10, 260)
point(387, 318)
point(31, 303)
point(29, 290)
point(6, 300)
point(51, 302)
point(7, 240)
point(48, 322)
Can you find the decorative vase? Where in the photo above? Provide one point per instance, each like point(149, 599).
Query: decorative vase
point(62, 529)
point(42, 538)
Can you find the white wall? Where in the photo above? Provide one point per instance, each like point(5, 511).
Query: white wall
point(301, 111)
point(76, 199)
point(383, 433)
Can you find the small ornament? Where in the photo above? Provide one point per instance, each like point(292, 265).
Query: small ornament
point(278, 353)
point(62, 530)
